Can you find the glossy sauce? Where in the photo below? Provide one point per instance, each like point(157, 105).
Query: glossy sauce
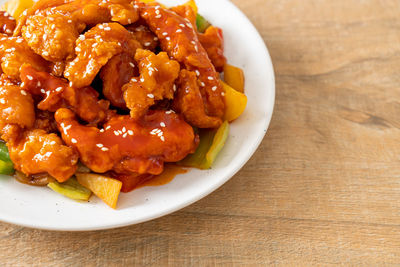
point(170, 172)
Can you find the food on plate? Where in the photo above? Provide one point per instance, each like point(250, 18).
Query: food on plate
point(103, 96)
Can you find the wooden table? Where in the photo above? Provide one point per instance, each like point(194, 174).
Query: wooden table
point(324, 186)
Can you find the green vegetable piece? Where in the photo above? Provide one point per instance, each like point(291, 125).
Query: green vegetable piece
point(218, 143)
point(6, 167)
point(202, 23)
point(71, 189)
point(4, 155)
point(211, 143)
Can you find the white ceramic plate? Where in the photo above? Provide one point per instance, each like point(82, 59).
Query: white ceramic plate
point(42, 208)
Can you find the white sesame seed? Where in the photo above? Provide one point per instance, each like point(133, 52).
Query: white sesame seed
point(101, 27)
point(150, 95)
point(77, 49)
point(197, 72)
point(52, 142)
point(2, 101)
point(67, 127)
point(58, 89)
point(125, 134)
point(193, 42)
point(131, 64)
point(179, 30)
point(162, 138)
point(9, 31)
point(73, 140)
point(108, 127)
point(167, 38)
point(155, 38)
point(174, 87)
point(6, 14)
point(182, 25)
point(222, 93)
point(123, 129)
point(165, 33)
point(142, 79)
point(134, 80)
point(157, 11)
point(116, 133)
point(196, 48)
point(99, 145)
point(29, 77)
point(130, 132)
point(82, 37)
point(210, 78)
point(120, 132)
point(104, 149)
point(162, 124)
point(147, 44)
point(169, 111)
point(107, 29)
point(23, 92)
point(158, 16)
point(69, 21)
point(214, 88)
point(42, 91)
point(38, 84)
point(202, 84)
point(45, 53)
point(101, 130)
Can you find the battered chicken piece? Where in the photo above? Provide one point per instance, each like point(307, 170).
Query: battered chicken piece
point(188, 102)
point(213, 42)
point(187, 12)
point(16, 105)
point(36, 152)
point(179, 38)
point(96, 47)
point(45, 121)
point(14, 52)
point(52, 35)
point(128, 145)
point(7, 23)
point(117, 72)
point(55, 93)
point(145, 37)
point(156, 81)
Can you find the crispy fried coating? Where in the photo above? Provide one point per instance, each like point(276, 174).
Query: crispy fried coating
point(45, 121)
point(35, 151)
point(188, 102)
point(213, 42)
point(156, 81)
point(55, 93)
point(116, 73)
point(51, 35)
point(14, 52)
point(126, 144)
point(16, 105)
point(7, 23)
point(179, 38)
point(146, 38)
point(95, 49)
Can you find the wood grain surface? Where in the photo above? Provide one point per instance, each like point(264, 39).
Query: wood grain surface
point(324, 186)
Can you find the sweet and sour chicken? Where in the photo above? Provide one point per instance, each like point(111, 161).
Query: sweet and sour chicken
point(116, 85)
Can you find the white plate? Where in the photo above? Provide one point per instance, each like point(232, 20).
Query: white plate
point(39, 207)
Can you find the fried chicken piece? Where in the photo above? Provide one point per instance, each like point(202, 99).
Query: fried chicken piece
point(14, 52)
point(52, 35)
point(56, 93)
point(156, 81)
point(129, 145)
point(179, 38)
point(117, 72)
point(16, 105)
point(95, 49)
point(189, 103)
point(7, 23)
point(187, 12)
point(213, 42)
point(145, 37)
point(35, 151)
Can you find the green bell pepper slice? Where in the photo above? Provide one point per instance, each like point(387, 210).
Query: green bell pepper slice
point(71, 189)
point(6, 167)
point(202, 23)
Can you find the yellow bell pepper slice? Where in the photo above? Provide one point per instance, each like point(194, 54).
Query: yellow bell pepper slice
point(16, 7)
point(193, 5)
point(234, 77)
point(71, 189)
point(236, 103)
point(218, 143)
point(107, 189)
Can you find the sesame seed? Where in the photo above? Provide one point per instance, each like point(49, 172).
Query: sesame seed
point(165, 33)
point(162, 124)
point(222, 93)
point(52, 142)
point(179, 30)
point(202, 84)
point(38, 84)
point(108, 127)
point(197, 72)
point(29, 77)
point(155, 38)
point(67, 127)
point(134, 80)
point(182, 25)
point(107, 29)
point(19, 40)
point(214, 88)
point(196, 48)
point(157, 11)
point(8, 31)
point(210, 78)
point(169, 112)
point(193, 42)
point(69, 21)
point(2, 101)
point(174, 87)
point(99, 145)
point(150, 95)
point(104, 149)
point(101, 130)
point(58, 89)
point(167, 38)
point(125, 134)
point(101, 27)
point(23, 92)
point(45, 53)
point(116, 133)
point(142, 79)
point(77, 49)
point(130, 132)
point(158, 16)
point(147, 44)
point(124, 130)
point(162, 138)
point(73, 140)
point(131, 64)
point(129, 21)
point(42, 91)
